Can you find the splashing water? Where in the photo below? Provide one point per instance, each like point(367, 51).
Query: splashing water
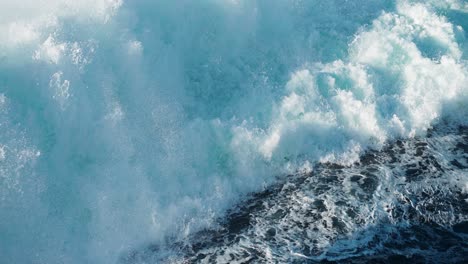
point(132, 122)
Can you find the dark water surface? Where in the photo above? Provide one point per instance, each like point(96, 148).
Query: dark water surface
point(403, 204)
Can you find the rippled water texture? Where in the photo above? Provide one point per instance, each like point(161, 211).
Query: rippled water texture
point(132, 130)
point(402, 204)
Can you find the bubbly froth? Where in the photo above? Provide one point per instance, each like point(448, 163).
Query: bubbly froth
point(129, 122)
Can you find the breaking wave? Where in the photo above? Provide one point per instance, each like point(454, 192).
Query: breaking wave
point(125, 123)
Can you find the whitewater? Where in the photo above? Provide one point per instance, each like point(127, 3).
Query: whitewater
point(128, 123)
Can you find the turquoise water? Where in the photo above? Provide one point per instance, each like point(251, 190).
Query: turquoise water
point(129, 122)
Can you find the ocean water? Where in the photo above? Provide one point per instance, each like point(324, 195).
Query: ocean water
point(132, 130)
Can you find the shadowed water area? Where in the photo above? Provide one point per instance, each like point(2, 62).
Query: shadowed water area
point(398, 205)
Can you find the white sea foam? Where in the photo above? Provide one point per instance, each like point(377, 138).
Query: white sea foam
point(387, 88)
point(153, 117)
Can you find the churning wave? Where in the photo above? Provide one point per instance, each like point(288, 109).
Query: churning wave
point(402, 204)
point(130, 131)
